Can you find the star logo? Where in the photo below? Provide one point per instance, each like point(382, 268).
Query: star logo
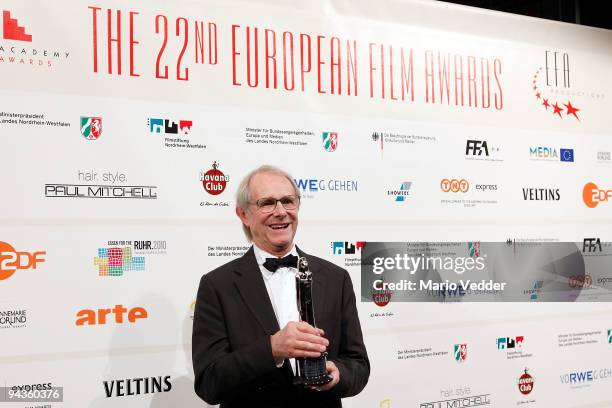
point(549, 102)
point(571, 110)
point(557, 109)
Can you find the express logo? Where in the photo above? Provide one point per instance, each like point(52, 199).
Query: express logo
point(12, 29)
point(12, 260)
point(330, 141)
point(169, 127)
point(91, 127)
point(593, 195)
point(454, 186)
point(460, 352)
point(214, 181)
point(525, 383)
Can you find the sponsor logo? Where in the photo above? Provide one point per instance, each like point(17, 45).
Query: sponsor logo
point(381, 139)
point(454, 185)
point(526, 383)
point(330, 141)
point(458, 398)
point(118, 257)
point(137, 386)
point(541, 194)
point(474, 249)
point(604, 157)
point(591, 245)
point(482, 150)
point(460, 352)
point(381, 297)
point(108, 190)
point(91, 127)
point(403, 192)
point(593, 195)
point(543, 153)
point(534, 293)
point(13, 319)
point(12, 260)
point(348, 248)
point(12, 30)
point(119, 313)
point(504, 343)
point(585, 378)
point(214, 180)
point(169, 127)
point(311, 187)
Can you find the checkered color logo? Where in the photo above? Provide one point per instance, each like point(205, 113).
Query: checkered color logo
point(115, 261)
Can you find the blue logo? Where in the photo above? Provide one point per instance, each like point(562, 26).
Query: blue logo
point(567, 155)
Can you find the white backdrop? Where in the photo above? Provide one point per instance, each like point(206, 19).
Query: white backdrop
point(445, 75)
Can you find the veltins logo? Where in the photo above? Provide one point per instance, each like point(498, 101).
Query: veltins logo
point(137, 386)
point(460, 352)
point(330, 141)
point(12, 30)
point(91, 127)
point(214, 181)
point(504, 343)
point(525, 383)
point(169, 127)
point(12, 260)
point(92, 317)
point(593, 195)
point(454, 185)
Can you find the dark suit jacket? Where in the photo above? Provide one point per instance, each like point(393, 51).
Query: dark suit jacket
point(233, 321)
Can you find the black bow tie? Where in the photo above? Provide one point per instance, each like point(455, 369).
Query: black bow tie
point(272, 264)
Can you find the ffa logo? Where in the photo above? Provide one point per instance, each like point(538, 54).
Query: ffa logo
point(330, 141)
point(91, 127)
point(460, 352)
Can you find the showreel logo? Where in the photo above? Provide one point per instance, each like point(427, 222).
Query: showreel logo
point(543, 153)
point(13, 318)
point(526, 383)
point(454, 185)
point(12, 260)
point(593, 195)
point(92, 317)
point(330, 141)
point(460, 352)
point(402, 193)
point(118, 258)
point(91, 127)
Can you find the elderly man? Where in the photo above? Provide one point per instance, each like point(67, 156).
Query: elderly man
point(241, 356)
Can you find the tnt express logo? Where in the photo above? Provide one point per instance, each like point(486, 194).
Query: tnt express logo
point(12, 260)
point(454, 185)
point(593, 195)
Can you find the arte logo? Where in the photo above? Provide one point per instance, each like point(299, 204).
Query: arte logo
point(593, 195)
point(330, 141)
point(557, 80)
point(551, 154)
point(526, 383)
point(214, 181)
point(12, 30)
point(13, 319)
point(91, 127)
point(12, 260)
point(580, 281)
point(541, 194)
point(454, 185)
point(474, 249)
point(403, 192)
point(137, 386)
point(504, 343)
point(92, 317)
point(115, 261)
point(169, 127)
point(460, 352)
point(591, 245)
point(347, 248)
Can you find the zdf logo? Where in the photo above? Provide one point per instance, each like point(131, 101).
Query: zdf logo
point(593, 195)
point(11, 260)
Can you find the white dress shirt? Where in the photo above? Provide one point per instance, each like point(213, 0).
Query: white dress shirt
point(281, 290)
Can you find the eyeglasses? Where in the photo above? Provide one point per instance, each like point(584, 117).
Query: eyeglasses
point(268, 204)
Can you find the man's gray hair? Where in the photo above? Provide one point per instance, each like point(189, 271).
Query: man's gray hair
point(243, 194)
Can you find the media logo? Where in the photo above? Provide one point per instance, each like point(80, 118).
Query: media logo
point(348, 248)
point(92, 317)
point(543, 153)
point(330, 141)
point(526, 383)
point(214, 180)
point(460, 352)
point(169, 127)
point(137, 386)
point(91, 127)
point(593, 195)
point(12, 30)
point(541, 194)
point(567, 155)
point(591, 245)
point(403, 192)
point(454, 185)
point(13, 319)
point(504, 343)
point(12, 260)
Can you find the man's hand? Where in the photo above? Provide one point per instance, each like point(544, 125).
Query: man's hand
point(332, 370)
point(298, 339)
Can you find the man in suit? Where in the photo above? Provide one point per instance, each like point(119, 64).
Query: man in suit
point(246, 329)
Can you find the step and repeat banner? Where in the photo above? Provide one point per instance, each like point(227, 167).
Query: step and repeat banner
point(125, 128)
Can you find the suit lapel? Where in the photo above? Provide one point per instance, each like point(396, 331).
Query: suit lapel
point(318, 285)
point(252, 288)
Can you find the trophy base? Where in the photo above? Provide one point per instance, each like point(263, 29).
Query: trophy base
point(312, 381)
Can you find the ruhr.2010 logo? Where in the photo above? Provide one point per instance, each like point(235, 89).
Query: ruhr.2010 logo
point(12, 260)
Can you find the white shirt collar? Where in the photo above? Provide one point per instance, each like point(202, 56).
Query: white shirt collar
point(261, 255)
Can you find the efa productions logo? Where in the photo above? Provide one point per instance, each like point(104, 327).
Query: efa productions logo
point(12, 30)
point(12, 260)
point(454, 185)
point(460, 352)
point(169, 127)
point(91, 127)
point(330, 141)
point(552, 92)
point(115, 261)
point(119, 314)
point(526, 383)
point(593, 195)
point(214, 181)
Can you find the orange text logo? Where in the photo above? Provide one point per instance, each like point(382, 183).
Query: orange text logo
point(593, 195)
point(11, 260)
point(118, 313)
point(454, 185)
